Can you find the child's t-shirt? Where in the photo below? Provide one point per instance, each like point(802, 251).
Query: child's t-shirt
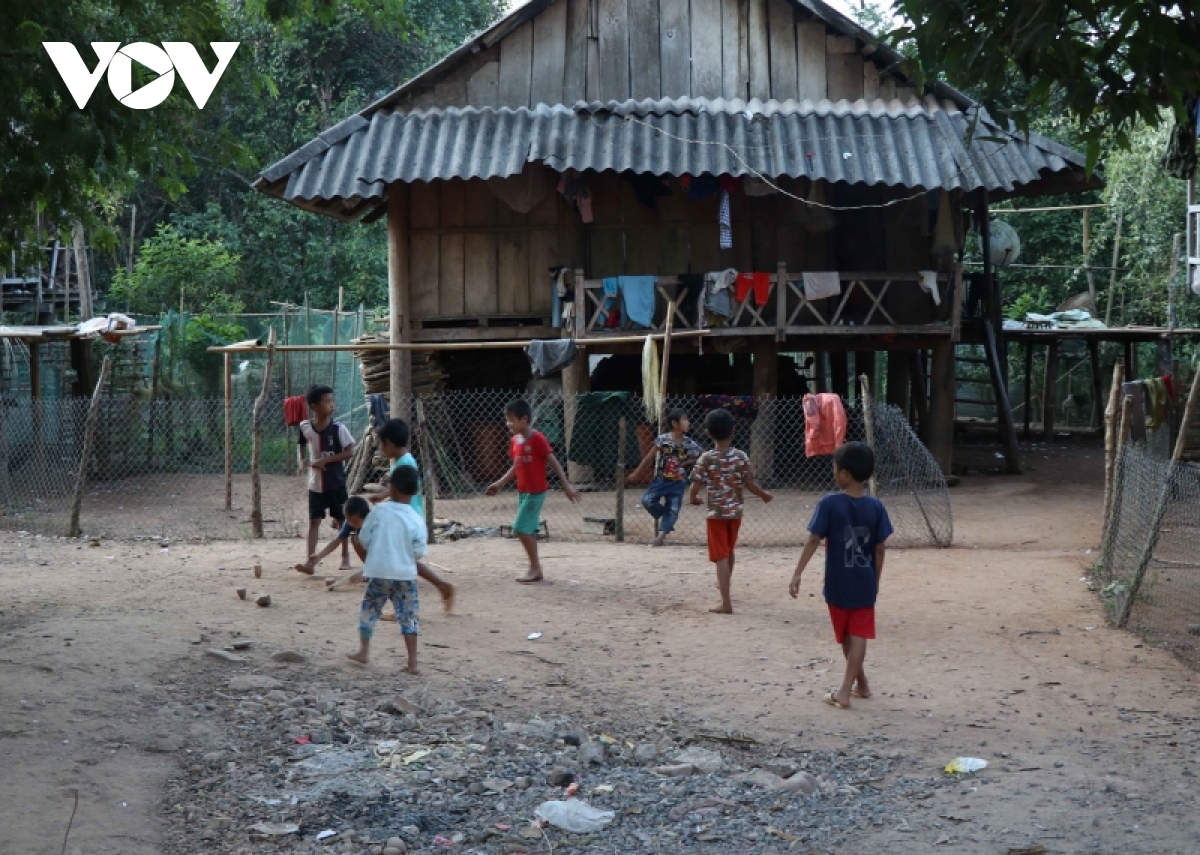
point(346, 531)
point(418, 501)
point(724, 473)
point(332, 439)
point(529, 461)
point(394, 537)
point(853, 528)
point(674, 457)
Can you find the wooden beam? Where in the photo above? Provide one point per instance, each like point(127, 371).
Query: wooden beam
point(940, 439)
point(399, 295)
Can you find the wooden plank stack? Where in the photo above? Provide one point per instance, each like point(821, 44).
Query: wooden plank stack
point(427, 373)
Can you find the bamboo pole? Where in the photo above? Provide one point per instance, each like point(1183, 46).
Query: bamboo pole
point(1113, 510)
point(228, 431)
point(1172, 318)
point(260, 405)
point(85, 453)
point(620, 479)
point(666, 366)
point(437, 346)
point(1111, 427)
point(337, 317)
point(868, 421)
point(1112, 276)
point(1139, 573)
point(1087, 257)
point(307, 341)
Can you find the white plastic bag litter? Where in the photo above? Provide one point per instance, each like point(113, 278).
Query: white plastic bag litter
point(965, 765)
point(574, 816)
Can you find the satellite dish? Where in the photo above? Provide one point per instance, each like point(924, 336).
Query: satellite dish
point(1006, 244)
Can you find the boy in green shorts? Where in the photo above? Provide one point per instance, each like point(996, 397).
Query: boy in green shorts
point(530, 451)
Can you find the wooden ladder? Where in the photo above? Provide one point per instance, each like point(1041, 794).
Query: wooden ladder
point(999, 392)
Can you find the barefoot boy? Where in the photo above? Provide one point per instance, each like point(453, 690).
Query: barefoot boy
point(394, 437)
point(329, 446)
point(530, 451)
point(724, 471)
point(675, 452)
point(391, 541)
point(355, 513)
point(854, 527)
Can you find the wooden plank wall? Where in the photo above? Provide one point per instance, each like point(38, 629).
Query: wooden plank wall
point(618, 49)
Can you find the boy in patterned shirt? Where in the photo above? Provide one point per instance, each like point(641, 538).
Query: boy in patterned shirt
point(675, 452)
point(725, 472)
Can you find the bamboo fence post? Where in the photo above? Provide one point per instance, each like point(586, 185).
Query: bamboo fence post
point(1113, 510)
point(228, 431)
point(1172, 319)
point(307, 340)
point(620, 479)
point(1110, 432)
point(429, 475)
point(666, 365)
point(1112, 274)
point(256, 517)
point(287, 362)
point(85, 453)
point(1139, 573)
point(154, 371)
point(868, 421)
point(337, 317)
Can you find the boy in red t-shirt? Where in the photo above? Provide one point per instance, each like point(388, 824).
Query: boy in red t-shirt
point(529, 450)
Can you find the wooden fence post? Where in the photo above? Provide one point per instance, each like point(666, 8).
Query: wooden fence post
point(1160, 510)
point(85, 453)
point(256, 516)
point(868, 421)
point(228, 431)
point(1111, 427)
point(619, 476)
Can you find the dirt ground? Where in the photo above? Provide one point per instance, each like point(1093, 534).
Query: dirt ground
point(993, 649)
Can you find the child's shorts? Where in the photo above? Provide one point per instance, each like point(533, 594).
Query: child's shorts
point(404, 598)
point(856, 622)
point(332, 501)
point(722, 538)
point(529, 513)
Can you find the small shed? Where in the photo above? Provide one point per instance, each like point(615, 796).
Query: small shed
point(672, 139)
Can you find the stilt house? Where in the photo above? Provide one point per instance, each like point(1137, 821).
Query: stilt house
point(667, 139)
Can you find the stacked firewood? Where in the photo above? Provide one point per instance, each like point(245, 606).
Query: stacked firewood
point(427, 373)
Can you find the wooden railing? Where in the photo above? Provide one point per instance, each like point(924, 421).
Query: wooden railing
point(787, 311)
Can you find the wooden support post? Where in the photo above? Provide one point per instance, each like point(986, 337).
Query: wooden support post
point(765, 387)
point(781, 292)
point(820, 375)
point(1131, 361)
point(1172, 317)
point(920, 393)
point(619, 477)
point(1093, 347)
point(1087, 260)
point(1028, 385)
point(1139, 573)
point(1110, 431)
point(82, 272)
point(399, 301)
point(576, 378)
point(868, 420)
point(1050, 391)
point(337, 323)
point(430, 474)
point(864, 364)
point(898, 380)
point(839, 374)
point(228, 431)
point(941, 405)
point(1008, 427)
point(260, 406)
point(35, 397)
point(581, 310)
point(1112, 274)
point(85, 453)
point(287, 362)
point(1112, 509)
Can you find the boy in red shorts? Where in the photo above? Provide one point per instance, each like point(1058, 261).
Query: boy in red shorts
point(724, 471)
point(854, 527)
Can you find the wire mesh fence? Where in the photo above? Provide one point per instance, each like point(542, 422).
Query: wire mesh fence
point(158, 469)
point(1149, 548)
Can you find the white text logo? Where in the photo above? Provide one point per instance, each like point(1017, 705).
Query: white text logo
point(118, 61)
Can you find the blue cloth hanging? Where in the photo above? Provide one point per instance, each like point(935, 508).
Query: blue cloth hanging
point(637, 294)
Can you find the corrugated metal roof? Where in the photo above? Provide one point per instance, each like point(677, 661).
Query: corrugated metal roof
point(919, 145)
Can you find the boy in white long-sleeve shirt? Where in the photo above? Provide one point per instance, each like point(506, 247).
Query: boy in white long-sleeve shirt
point(392, 539)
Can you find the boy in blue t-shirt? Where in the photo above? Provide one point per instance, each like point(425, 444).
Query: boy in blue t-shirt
point(854, 527)
point(354, 515)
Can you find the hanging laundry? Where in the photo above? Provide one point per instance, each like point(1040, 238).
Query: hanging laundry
point(608, 309)
point(742, 407)
point(820, 285)
point(824, 424)
point(726, 221)
point(717, 297)
point(637, 298)
point(700, 186)
point(651, 381)
point(929, 285)
point(759, 283)
point(295, 410)
point(549, 356)
point(1136, 392)
point(560, 295)
point(730, 183)
point(647, 188)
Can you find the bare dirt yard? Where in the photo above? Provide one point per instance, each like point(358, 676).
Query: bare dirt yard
point(993, 649)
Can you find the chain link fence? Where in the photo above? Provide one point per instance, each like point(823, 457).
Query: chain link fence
point(1149, 549)
point(158, 469)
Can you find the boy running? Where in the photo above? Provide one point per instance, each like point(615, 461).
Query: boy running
point(329, 446)
point(355, 513)
point(530, 451)
point(725, 471)
point(676, 452)
point(854, 527)
point(391, 541)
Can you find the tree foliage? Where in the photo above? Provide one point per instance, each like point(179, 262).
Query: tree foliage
point(195, 274)
point(1112, 64)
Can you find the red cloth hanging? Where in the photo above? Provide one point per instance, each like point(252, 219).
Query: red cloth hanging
point(759, 283)
point(824, 424)
point(295, 410)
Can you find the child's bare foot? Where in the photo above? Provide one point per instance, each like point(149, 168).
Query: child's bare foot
point(447, 591)
point(660, 540)
point(360, 657)
point(534, 575)
point(306, 569)
point(838, 699)
point(861, 689)
point(722, 610)
point(412, 669)
point(345, 568)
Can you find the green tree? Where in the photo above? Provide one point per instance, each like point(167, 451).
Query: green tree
point(194, 274)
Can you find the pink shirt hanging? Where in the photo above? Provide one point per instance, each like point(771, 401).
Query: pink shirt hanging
point(824, 424)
